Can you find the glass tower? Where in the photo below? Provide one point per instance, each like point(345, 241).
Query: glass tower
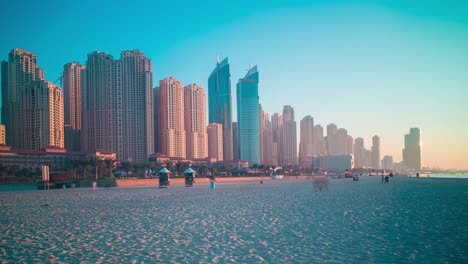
point(219, 103)
point(247, 117)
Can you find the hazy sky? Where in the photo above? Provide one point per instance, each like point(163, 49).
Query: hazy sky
point(372, 67)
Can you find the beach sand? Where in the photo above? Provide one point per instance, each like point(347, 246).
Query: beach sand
point(408, 220)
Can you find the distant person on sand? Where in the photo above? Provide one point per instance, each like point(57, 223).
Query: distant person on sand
point(211, 176)
point(321, 182)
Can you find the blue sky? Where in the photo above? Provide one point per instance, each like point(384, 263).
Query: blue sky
point(372, 67)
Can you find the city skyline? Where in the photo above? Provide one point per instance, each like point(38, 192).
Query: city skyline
point(376, 97)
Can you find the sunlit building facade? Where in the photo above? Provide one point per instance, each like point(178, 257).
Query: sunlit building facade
point(41, 115)
point(220, 103)
point(412, 150)
point(375, 150)
point(195, 121)
point(118, 105)
point(215, 141)
point(17, 74)
point(289, 137)
point(247, 117)
point(172, 134)
point(306, 143)
point(72, 86)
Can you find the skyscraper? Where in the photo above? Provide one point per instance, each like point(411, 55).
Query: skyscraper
point(118, 105)
point(235, 141)
point(247, 117)
point(387, 163)
point(2, 135)
point(215, 141)
point(350, 145)
point(332, 139)
point(266, 139)
point(41, 116)
point(172, 137)
point(277, 138)
point(342, 141)
point(306, 144)
point(359, 153)
point(72, 105)
point(195, 121)
point(17, 74)
point(219, 98)
point(412, 150)
point(289, 144)
point(319, 144)
point(375, 158)
point(156, 119)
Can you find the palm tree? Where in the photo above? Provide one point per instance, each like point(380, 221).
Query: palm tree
point(84, 164)
point(98, 163)
point(228, 169)
point(126, 167)
point(153, 166)
point(109, 164)
point(178, 167)
point(214, 170)
point(255, 166)
point(135, 168)
point(74, 163)
point(202, 169)
point(261, 167)
point(143, 168)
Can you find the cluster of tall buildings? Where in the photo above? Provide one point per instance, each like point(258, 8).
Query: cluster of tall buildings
point(112, 105)
point(32, 107)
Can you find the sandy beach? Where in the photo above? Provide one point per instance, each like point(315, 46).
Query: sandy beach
point(406, 221)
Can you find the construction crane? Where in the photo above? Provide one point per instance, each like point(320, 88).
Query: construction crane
point(59, 79)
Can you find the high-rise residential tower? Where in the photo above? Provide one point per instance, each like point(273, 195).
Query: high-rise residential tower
point(350, 145)
point(118, 105)
point(266, 139)
point(72, 105)
point(342, 141)
point(41, 116)
point(277, 138)
point(172, 137)
point(375, 158)
point(412, 150)
point(219, 103)
point(195, 121)
point(247, 117)
point(235, 141)
point(319, 143)
point(2, 135)
point(289, 144)
point(387, 163)
point(17, 74)
point(156, 119)
point(359, 153)
point(215, 141)
point(332, 139)
point(306, 144)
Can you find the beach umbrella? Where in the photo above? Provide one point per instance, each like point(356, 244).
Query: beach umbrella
point(164, 170)
point(189, 170)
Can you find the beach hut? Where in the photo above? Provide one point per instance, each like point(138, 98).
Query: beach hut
point(189, 177)
point(164, 178)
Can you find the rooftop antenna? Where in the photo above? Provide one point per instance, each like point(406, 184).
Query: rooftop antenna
point(217, 58)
